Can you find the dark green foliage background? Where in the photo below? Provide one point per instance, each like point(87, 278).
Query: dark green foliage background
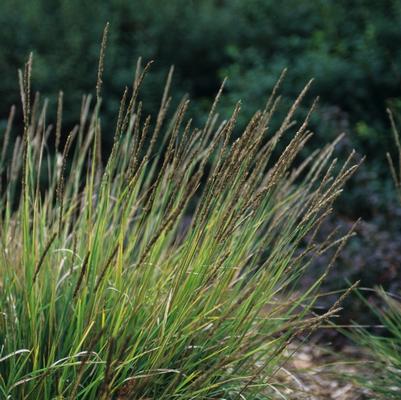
point(351, 48)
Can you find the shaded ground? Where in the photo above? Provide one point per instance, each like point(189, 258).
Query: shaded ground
point(315, 373)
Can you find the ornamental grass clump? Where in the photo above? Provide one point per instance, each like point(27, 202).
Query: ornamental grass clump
point(168, 271)
point(384, 345)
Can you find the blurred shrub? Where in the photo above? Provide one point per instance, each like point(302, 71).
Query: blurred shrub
point(350, 48)
point(65, 37)
point(372, 257)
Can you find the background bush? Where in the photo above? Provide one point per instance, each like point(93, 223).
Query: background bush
point(351, 49)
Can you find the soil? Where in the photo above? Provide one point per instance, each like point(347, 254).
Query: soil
point(316, 373)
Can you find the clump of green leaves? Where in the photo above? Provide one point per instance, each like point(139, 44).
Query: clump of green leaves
point(383, 377)
point(163, 273)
